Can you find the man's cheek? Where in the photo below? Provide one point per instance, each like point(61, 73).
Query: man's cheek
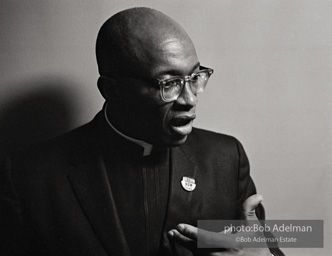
point(167, 117)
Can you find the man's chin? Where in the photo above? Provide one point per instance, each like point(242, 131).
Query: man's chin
point(175, 140)
point(178, 142)
point(175, 136)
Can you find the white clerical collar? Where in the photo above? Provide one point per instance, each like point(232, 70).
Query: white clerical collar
point(147, 147)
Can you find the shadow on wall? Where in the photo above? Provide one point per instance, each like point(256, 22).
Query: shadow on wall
point(39, 111)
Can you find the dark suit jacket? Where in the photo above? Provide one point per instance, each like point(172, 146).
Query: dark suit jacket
point(56, 198)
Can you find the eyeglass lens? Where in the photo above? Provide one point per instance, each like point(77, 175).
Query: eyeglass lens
point(173, 87)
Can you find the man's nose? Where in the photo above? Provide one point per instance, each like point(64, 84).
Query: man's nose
point(187, 97)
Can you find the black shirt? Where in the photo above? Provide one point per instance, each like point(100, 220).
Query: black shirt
point(140, 186)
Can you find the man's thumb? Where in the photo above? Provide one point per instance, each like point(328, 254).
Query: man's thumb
point(250, 205)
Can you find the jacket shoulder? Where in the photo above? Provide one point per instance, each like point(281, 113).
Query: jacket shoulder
point(57, 149)
point(213, 146)
point(211, 135)
point(212, 140)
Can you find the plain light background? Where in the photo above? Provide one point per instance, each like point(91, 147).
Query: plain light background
point(272, 86)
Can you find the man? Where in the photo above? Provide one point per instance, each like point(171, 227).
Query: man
point(121, 184)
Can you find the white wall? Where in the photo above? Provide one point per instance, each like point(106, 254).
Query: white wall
point(271, 88)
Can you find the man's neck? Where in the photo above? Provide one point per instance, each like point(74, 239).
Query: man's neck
point(147, 147)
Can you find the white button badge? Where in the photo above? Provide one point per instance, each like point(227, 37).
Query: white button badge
point(188, 183)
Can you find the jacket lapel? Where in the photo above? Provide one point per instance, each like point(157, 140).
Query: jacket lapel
point(90, 184)
point(180, 201)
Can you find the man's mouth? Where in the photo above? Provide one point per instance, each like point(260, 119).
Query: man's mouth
point(182, 125)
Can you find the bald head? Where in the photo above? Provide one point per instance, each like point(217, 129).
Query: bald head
point(136, 40)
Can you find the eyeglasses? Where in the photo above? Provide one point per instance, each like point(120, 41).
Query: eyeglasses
point(171, 88)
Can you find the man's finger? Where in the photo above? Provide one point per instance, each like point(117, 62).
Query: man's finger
point(250, 205)
point(207, 238)
point(187, 230)
point(227, 231)
point(176, 236)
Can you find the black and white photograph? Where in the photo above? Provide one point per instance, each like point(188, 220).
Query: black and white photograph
point(165, 128)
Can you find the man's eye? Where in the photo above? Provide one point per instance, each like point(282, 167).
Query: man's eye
point(195, 77)
point(172, 83)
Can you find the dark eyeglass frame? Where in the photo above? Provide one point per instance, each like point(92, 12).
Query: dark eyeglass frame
point(161, 82)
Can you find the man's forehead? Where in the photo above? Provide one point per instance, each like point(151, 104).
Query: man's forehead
point(172, 43)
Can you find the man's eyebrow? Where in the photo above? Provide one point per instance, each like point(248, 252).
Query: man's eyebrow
point(195, 67)
point(175, 72)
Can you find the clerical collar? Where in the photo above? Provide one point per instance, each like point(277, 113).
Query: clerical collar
point(147, 147)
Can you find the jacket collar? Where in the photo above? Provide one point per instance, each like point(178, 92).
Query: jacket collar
point(146, 146)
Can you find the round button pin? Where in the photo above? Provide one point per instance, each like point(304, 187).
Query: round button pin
point(188, 183)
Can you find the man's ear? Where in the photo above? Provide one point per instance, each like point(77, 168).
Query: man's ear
point(108, 87)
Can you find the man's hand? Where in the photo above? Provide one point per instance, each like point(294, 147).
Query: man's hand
point(186, 235)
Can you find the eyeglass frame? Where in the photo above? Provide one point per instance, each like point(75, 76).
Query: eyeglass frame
point(162, 82)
